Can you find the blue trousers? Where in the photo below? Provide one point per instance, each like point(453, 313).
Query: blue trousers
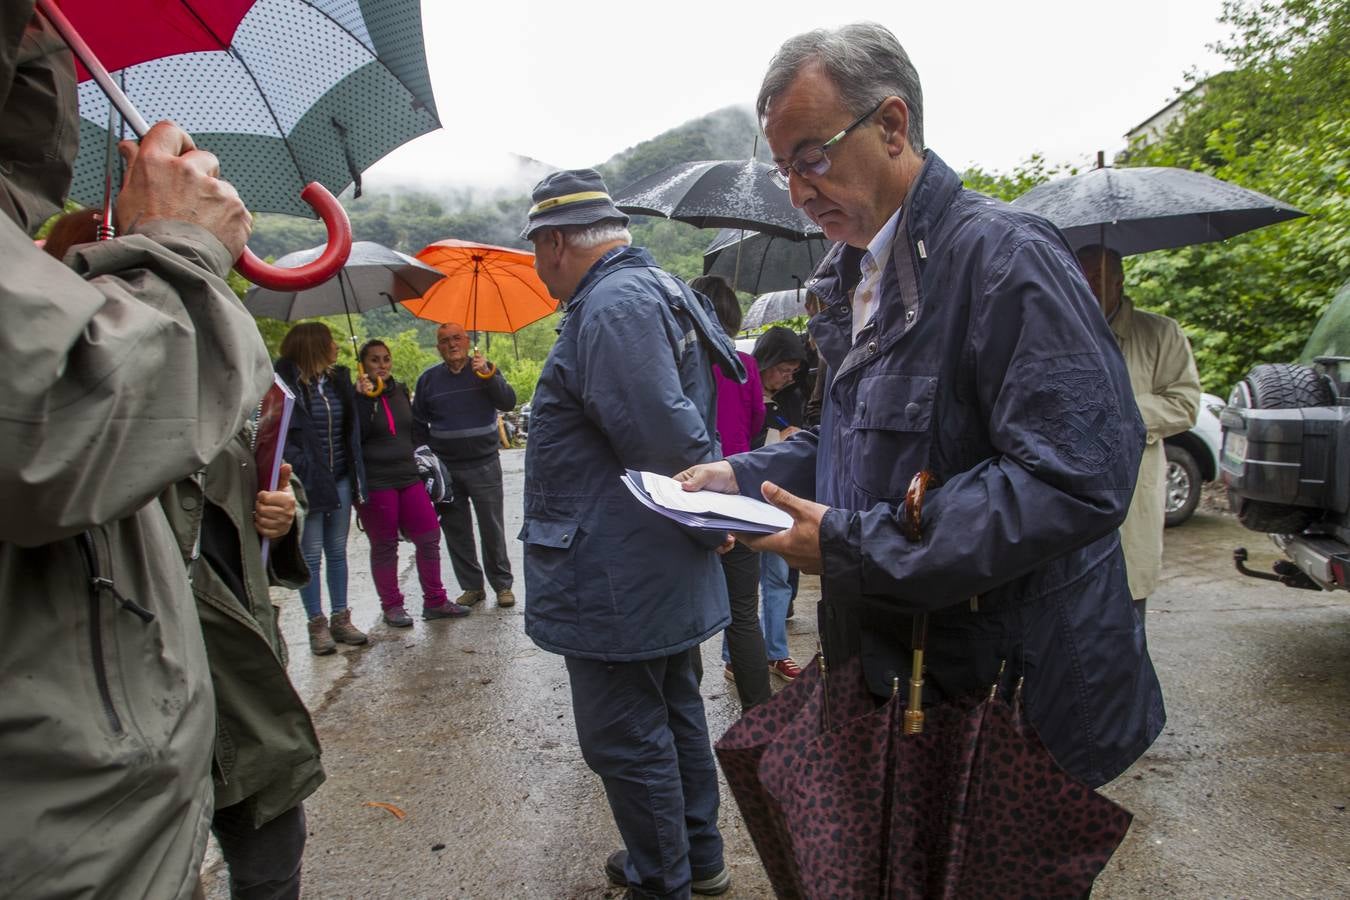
point(325, 537)
point(642, 730)
point(775, 591)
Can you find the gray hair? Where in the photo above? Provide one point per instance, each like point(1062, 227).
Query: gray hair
point(863, 60)
point(596, 233)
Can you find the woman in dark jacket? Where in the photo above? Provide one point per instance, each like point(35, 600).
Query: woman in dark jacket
point(324, 446)
point(397, 500)
point(740, 417)
point(780, 355)
point(266, 759)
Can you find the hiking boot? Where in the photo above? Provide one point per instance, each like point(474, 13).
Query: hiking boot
point(320, 638)
point(506, 597)
point(344, 632)
point(446, 610)
point(397, 617)
point(786, 669)
point(718, 882)
point(469, 598)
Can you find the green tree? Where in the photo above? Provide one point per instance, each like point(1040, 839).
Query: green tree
point(1278, 123)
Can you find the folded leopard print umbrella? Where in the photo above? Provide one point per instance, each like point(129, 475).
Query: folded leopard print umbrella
point(846, 805)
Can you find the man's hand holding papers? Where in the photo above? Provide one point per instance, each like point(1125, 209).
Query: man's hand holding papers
point(799, 544)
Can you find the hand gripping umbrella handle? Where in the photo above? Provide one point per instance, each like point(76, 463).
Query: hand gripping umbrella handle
point(333, 258)
point(376, 382)
point(316, 195)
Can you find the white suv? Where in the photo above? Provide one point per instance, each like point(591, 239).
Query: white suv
point(1192, 459)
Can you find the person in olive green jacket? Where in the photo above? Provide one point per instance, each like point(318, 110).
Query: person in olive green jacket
point(122, 377)
point(266, 751)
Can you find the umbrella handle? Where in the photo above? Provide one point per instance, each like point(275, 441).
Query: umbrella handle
point(375, 380)
point(911, 514)
point(492, 369)
point(333, 258)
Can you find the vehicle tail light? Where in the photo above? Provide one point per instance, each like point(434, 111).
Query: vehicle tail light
point(1340, 570)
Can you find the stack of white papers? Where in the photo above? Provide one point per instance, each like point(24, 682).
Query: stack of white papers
point(704, 509)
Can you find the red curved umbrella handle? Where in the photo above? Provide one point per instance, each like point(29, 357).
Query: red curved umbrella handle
point(334, 255)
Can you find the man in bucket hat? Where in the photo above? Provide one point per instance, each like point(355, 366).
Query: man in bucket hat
point(625, 595)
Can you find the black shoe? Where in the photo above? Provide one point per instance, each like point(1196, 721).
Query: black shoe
point(446, 610)
point(717, 883)
point(397, 617)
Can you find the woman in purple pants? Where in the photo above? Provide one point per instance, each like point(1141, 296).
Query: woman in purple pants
point(398, 501)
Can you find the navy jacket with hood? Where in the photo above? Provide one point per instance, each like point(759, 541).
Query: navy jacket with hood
point(989, 363)
point(303, 450)
point(628, 385)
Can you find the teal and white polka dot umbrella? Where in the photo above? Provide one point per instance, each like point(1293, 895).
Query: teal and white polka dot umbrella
point(284, 92)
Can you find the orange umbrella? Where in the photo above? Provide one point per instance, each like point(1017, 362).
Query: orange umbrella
point(485, 288)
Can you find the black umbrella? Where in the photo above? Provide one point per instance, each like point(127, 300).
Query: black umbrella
point(1135, 210)
point(760, 263)
point(735, 193)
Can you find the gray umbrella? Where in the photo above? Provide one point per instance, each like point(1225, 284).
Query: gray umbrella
point(1134, 210)
point(759, 263)
point(374, 276)
point(775, 307)
point(736, 193)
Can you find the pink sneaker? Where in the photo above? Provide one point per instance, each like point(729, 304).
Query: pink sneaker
point(786, 669)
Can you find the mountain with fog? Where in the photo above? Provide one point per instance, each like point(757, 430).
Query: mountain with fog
point(492, 209)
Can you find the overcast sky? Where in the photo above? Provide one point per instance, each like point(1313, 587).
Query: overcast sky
point(573, 83)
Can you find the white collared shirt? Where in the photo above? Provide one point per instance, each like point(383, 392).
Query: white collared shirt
point(867, 294)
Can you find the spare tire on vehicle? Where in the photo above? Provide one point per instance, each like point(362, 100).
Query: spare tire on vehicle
point(1282, 386)
point(1278, 386)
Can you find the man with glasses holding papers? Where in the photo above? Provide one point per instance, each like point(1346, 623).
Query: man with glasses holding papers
point(958, 336)
point(623, 593)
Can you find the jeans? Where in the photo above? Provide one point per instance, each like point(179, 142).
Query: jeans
point(407, 510)
point(776, 593)
point(481, 486)
point(642, 730)
point(743, 642)
point(325, 537)
point(264, 862)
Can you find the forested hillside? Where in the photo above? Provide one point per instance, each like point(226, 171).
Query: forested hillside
point(1277, 122)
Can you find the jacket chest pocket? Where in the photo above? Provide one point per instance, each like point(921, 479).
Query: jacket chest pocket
point(889, 433)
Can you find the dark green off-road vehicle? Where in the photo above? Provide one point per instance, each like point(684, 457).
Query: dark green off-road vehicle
point(1285, 457)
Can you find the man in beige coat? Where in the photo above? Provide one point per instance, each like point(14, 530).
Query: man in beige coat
point(1167, 389)
point(127, 368)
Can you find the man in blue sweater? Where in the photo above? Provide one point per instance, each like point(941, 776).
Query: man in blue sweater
point(455, 412)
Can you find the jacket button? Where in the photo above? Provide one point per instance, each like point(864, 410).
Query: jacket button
point(911, 410)
point(871, 347)
point(188, 502)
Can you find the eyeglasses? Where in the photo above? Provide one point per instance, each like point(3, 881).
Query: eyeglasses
point(815, 162)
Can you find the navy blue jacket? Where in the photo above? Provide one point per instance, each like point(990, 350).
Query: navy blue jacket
point(303, 441)
point(990, 364)
point(628, 385)
point(455, 413)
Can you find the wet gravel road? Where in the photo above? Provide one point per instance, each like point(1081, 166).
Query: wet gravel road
point(467, 728)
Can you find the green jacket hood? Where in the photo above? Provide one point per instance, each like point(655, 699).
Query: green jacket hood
point(39, 117)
